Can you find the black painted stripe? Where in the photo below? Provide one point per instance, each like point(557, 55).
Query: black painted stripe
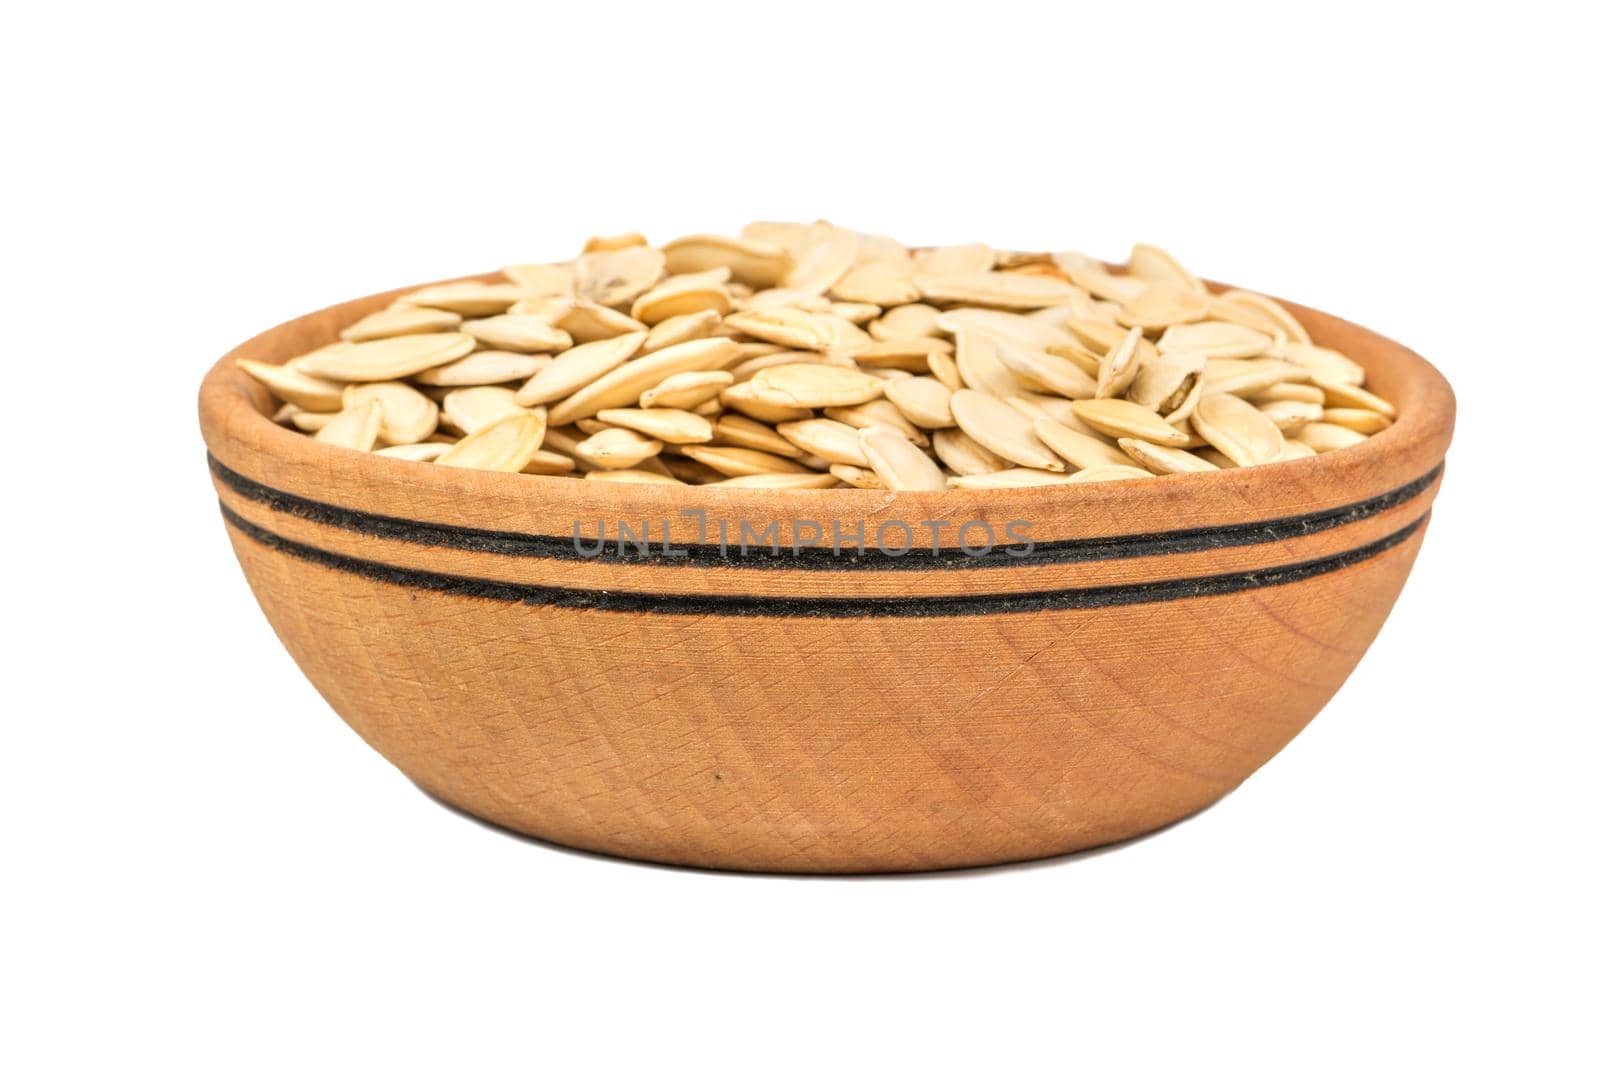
point(544, 546)
point(826, 607)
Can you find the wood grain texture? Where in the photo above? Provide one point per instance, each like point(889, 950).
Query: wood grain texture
point(621, 714)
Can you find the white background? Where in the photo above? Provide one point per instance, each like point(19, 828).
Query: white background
point(205, 866)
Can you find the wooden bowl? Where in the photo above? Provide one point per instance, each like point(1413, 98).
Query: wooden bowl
point(813, 712)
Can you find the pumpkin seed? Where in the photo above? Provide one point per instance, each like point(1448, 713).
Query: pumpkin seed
point(795, 328)
point(543, 279)
point(587, 321)
point(506, 445)
point(1164, 383)
point(354, 427)
point(856, 312)
point(981, 365)
point(1247, 377)
point(1025, 330)
point(681, 328)
point(664, 424)
point(686, 390)
point(1159, 459)
point(1123, 418)
point(623, 386)
point(749, 365)
point(619, 277)
point(548, 308)
point(685, 294)
point(614, 448)
point(752, 262)
point(1339, 394)
point(814, 385)
point(291, 386)
point(776, 481)
point(1117, 473)
point(742, 398)
point(1044, 372)
point(1092, 277)
point(1160, 266)
point(467, 298)
point(1010, 478)
point(992, 290)
point(1327, 437)
point(925, 402)
point(1119, 367)
point(912, 355)
point(408, 416)
point(954, 259)
point(1216, 340)
point(878, 248)
point(735, 462)
point(825, 256)
point(1306, 394)
point(1101, 338)
point(386, 359)
point(743, 432)
point(879, 412)
point(1361, 420)
point(964, 455)
point(1160, 305)
point(943, 366)
point(1078, 449)
point(1237, 429)
point(1078, 355)
point(564, 442)
point(610, 243)
point(1056, 409)
point(905, 321)
point(857, 477)
point(1271, 316)
point(1324, 363)
point(785, 298)
point(902, 465)
point(1001, 429)
point(518, 333)
point(421, 452)
point(631, 476)
point(545, 462)
point(399, 320)
point(833, 441)
point(1289, 416)
point(478, 406)
point(576, 368)
point(883, 284)
point(790, 236)
point(486, 367)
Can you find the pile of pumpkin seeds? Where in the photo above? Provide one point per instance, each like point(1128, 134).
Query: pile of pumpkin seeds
point(808, 356)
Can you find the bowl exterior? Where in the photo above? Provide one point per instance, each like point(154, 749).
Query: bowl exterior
point(1121, 659)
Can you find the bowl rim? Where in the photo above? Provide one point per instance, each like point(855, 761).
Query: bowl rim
point(243, 439)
